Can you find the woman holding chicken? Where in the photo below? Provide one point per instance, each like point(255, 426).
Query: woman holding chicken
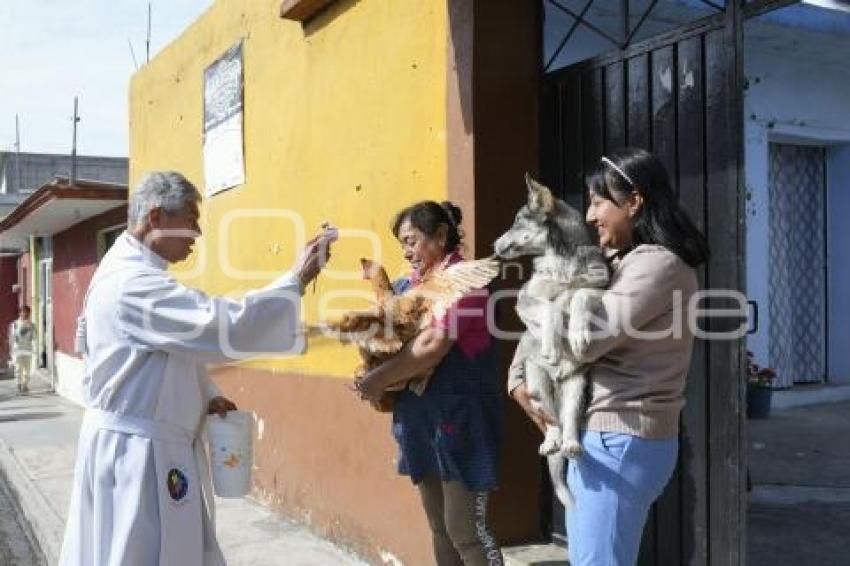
point(448, 436)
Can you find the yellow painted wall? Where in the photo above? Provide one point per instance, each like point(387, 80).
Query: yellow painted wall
point(345, 120)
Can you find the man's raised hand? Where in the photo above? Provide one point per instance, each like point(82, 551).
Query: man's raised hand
point(316, 254)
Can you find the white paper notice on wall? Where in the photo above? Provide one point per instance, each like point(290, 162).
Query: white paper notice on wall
point(224, 159)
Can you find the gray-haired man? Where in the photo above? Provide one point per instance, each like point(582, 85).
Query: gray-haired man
point(141, 489)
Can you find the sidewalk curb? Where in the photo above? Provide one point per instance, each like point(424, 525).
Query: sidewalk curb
point(45, 525)
point(549, 553)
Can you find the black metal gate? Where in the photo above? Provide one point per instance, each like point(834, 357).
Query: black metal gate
point(678, 95)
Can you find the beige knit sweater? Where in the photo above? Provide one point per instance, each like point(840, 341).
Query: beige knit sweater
point(638, 380)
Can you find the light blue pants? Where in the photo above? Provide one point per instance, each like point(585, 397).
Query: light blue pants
point(614, 484)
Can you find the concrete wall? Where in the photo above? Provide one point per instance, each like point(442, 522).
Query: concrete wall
point(345, 119)
point(39, 168)
point(335, 128)
point(70, 371)
point(792, 100)
point(838, 199)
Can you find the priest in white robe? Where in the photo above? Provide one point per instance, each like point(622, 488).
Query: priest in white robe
point(141, 493)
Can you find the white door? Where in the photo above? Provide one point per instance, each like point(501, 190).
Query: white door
point(798, 314)
point(45, 301)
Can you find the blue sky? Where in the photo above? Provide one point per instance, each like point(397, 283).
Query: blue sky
point(53, 50)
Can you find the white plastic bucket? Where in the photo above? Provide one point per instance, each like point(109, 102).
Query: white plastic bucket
point(230, 453)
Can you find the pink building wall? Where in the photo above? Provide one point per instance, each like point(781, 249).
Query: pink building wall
point(74, 262)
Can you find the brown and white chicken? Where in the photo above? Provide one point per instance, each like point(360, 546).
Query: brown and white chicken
point(395, 319)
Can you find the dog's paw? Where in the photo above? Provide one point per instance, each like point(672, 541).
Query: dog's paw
point(551, 442)
point(548, 447)
point(571, 448)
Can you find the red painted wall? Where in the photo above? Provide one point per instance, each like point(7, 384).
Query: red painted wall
point(25, 280)
point(74, 261)
point(8, 302)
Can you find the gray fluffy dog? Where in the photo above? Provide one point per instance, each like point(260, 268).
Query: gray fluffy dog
point(555, 315)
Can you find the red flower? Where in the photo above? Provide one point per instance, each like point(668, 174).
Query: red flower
point(767, 373)
point(759, 376)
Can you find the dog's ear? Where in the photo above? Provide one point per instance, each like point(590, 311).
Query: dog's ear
point(540, 198)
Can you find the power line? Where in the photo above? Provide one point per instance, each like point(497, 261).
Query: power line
point(133, 54)
point(76, 120)
point(148, 40)
point(18, 153)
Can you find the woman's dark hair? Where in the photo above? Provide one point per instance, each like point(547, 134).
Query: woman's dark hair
point(661, 220)
point(427, 217)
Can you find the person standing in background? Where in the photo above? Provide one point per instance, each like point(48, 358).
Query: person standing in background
point(20, 347)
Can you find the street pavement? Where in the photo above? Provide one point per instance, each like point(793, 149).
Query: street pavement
point(38, 436)
point(799, 508)
point(16, 545)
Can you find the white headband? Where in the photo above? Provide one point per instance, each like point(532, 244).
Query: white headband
point(616, 168)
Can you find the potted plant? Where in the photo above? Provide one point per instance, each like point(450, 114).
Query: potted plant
point(759, 389)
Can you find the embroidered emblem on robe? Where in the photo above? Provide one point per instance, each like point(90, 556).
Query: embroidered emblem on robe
point(178, 484)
